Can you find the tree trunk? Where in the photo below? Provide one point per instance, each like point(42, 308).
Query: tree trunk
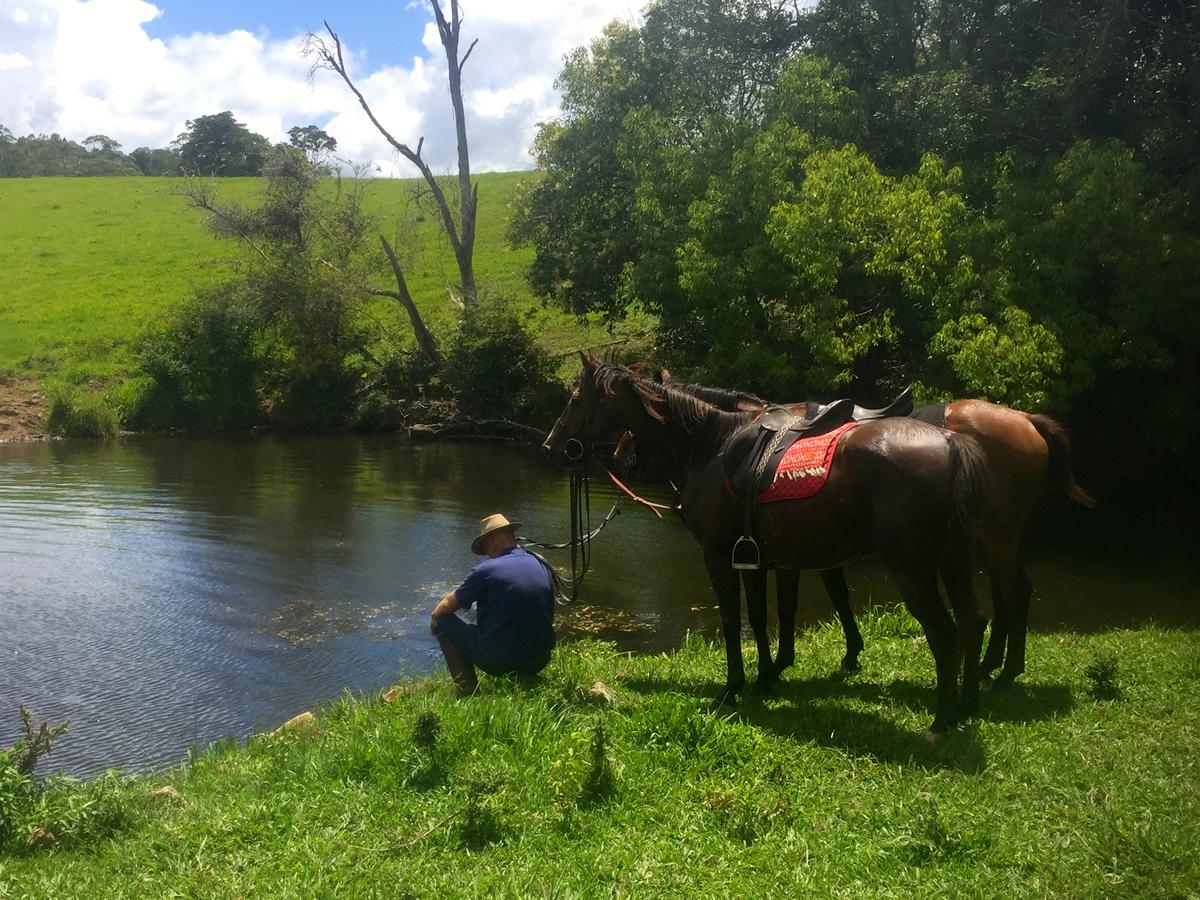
point(461, 234)
point(468, 194)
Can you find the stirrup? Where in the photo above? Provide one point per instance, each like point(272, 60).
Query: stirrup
point(746, 555)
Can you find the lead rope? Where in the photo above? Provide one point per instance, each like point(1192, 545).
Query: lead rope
point(582, 532)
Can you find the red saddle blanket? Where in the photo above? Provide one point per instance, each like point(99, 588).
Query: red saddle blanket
point(804, 467)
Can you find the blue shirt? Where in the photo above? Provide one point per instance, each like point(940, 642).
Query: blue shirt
point(514, 599)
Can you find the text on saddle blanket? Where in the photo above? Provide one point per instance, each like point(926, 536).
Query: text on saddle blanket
point(802, 469)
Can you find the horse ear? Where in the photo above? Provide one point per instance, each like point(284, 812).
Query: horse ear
point(589, 362)
point(664, 376)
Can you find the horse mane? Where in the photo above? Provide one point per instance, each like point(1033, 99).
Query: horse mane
point(671, 404)
point(721, 398)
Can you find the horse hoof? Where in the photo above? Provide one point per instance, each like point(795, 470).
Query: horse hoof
point(851, 664)
point(765, 686)
point(1003, 681)
point(933, 734)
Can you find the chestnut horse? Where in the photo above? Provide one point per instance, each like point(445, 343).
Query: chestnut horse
point(899, 487)
point(1024, 453)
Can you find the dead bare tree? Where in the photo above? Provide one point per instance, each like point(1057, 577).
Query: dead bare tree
point(461, 231)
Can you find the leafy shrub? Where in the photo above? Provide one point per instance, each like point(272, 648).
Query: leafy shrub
point(496, 369)
point(79, 412)
point(309, 342)
point(34, 813)
point(203, 366)
point(18, 794)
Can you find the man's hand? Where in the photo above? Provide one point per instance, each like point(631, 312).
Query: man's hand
point(448, 604)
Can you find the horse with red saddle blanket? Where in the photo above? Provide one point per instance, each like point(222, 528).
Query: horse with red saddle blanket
point(898, 487)
point(1025, 454)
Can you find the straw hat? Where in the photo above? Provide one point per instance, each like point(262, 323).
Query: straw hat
point(487, 526)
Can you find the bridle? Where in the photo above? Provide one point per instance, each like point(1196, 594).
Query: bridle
point(578, 451)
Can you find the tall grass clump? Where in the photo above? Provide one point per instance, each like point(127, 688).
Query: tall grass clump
point(77, 412)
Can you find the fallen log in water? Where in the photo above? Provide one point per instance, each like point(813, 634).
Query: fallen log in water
point(468, 429)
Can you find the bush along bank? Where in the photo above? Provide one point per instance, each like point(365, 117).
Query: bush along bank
point(612, 774)
point(219, 364)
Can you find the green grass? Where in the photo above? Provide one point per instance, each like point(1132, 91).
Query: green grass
point(91, 262)
point(825, 789)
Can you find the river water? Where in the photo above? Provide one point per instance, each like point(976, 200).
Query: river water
point(163, 593)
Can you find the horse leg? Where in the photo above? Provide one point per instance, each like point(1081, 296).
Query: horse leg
point(998, 639)
point(755, 583)
point(787, 589)
point(839, 596)
point(970, 624)
point(1018, 592)
point(729, 599)
point(920, 593)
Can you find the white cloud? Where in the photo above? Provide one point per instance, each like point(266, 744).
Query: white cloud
point(80, 67)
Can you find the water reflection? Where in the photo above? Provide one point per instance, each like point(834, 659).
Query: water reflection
point(164, 592)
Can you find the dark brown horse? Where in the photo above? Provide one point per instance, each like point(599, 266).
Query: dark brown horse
point(899, 487)
point(1025, 455)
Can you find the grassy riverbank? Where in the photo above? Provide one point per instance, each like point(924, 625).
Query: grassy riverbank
point(827, 788)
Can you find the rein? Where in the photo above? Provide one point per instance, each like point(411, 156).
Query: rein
point(582, 532)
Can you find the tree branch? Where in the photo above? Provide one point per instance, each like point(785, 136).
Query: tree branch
point(200, 197)
point(425, 339)
point(467, 55)
point(334, 60)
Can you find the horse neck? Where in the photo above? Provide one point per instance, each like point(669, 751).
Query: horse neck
point(680, 438)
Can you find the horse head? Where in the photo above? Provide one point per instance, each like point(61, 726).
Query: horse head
point(585, 420)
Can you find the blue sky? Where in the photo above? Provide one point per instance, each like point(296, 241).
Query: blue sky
point(390, 32)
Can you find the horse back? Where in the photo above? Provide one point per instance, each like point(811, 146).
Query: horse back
point(889, 488)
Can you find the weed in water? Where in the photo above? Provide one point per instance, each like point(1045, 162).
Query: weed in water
point(34, 743)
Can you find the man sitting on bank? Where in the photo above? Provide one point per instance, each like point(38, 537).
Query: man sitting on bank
point(513, 594)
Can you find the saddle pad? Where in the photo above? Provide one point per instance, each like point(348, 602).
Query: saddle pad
point(802, 470)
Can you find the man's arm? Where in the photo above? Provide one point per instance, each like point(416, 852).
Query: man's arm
point(448, 604)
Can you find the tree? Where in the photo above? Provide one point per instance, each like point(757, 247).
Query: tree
point(313, 142)
point(699, 71)
point(459, 231)
point(219, 145)
point(994, 199)
point(159, 161)
point(290, 320)
point(101, 143)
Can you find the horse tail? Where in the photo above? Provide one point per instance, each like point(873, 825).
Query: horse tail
point(966, 493)
point(1058, 443)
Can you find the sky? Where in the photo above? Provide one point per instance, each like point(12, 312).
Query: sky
point(138, 71)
